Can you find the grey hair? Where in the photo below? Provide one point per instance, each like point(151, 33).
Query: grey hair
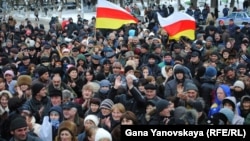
point(67, 94)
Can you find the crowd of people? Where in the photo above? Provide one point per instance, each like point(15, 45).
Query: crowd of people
point(74, 82)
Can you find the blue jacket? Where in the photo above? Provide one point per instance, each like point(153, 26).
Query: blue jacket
point(216, 106)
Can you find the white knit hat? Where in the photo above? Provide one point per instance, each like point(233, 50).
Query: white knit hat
point(240, 84)
point(101, 133)
point(93, 118)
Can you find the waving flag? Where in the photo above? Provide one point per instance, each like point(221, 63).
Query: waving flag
point(111, 16)
point(177, 25)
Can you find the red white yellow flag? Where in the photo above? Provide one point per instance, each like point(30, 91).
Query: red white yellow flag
point(112, 16)
point(178, 24)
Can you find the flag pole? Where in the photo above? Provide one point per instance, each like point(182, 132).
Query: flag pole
point(95, 21)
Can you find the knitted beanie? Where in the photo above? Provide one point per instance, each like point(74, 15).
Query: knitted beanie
point(102, 133)
point(161, 105)
point(42, 70)
point(191, 86)
point(240, 84)
point(210, 71)
point(105, 83)
point(128, 68)
point(93, 118)
point(17, 123)
point(36, 88)
point(9, 72)
point(107, 104)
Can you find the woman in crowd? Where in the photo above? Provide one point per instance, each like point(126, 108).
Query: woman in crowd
point(67, 131)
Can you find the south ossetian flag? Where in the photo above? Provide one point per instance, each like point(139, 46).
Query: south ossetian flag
point(112, 16)
point(177, 25)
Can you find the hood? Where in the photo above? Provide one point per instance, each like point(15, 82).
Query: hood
point(233, 100)
point(226, 90)
point(59, 110)
point(181, 68)
point(244, 98)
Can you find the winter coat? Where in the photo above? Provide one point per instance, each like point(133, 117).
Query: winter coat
point(134, 102)
point(237, 119)
point(29, 138)
point(208, 86)
point(35, 105)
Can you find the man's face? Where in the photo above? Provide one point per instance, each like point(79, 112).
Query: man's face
point(20, 134)
point(150, 94)
point(45, 76)
point(151, 61)
point(75, 53)
point(56, 100)
point(69, 113)
point(231, 22)
point(168, 58)
point(43, 92)
point(56, 83)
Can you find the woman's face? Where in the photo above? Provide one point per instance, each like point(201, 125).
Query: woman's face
point(145, 72)
point(228, 45)
point(73, 74)
point(170, 72)
point(88, 124)
point(246, 105)
point(4, 101)
point(8, 77)
point(65, 135)
point(127, 122)
point(2, 85)
point(94, 107)
point(89, 76)
point(116, 114)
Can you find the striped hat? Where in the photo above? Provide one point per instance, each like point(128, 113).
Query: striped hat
point(107, 104)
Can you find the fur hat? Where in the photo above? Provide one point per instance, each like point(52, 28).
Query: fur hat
point(93, 118)
point(69, 126)
point(101, 134)
point(24, 80)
